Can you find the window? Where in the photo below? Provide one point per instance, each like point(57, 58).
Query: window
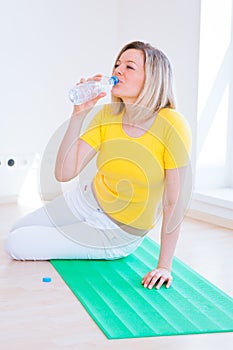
point(214, 163)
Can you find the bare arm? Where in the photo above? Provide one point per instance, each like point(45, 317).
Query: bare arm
point(173, 211)
point(172, 216)
point(74, 154)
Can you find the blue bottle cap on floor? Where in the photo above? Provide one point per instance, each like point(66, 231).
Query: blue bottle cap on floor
point(46, 279)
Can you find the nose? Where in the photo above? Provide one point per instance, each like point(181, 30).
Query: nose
point(118, 70)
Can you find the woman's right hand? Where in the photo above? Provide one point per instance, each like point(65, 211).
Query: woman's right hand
point(87, 106)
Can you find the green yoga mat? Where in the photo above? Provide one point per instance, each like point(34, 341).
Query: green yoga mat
point(112, 293)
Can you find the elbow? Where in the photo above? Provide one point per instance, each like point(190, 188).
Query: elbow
point(62, 174)
point(65, 173)
point(61, 177)
point(58, 174)
point(65, 176)
point(58, 178)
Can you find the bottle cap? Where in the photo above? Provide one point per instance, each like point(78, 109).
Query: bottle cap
point(46, 279)
point(115, 80)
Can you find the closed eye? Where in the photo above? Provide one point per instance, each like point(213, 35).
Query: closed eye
point(129, 67)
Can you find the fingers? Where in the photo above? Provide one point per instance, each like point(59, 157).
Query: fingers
point(157, 277)
point(93, 101)
point(96, 77)
point(81, 81)
point(88, 105)
point(169, 282)
point(160, 283)
point(101, 95)
point(151, 279)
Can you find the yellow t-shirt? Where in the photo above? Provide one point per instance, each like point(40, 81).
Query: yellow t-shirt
point(129, 182)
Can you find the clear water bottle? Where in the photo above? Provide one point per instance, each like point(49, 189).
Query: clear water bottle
point(90, 89)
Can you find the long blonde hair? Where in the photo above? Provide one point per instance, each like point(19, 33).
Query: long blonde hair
point(158, 90)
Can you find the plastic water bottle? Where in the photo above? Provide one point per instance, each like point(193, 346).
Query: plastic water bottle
point(90, 89)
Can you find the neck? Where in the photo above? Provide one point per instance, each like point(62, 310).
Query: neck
point(135, 115)
point(129, 114)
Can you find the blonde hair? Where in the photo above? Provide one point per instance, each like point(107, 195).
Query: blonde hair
point(158, 91)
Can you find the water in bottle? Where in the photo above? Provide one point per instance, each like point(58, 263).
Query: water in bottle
point(90, 89)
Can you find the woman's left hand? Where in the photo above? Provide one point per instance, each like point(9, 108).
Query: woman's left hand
point(159, 276)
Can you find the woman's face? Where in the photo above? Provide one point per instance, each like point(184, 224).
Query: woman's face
point(130, 71)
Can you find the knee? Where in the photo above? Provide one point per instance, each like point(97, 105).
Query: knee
point(13, 245)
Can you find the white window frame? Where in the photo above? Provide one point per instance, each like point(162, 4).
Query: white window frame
point(213, 190)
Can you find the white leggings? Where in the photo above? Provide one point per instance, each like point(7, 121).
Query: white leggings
point(72, 226)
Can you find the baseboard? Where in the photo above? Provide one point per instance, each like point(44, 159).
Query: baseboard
point(199, 209)
point(8, 199)
point(211, 219)
point(211, 210)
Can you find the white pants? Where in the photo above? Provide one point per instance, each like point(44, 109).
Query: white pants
point(72, 226)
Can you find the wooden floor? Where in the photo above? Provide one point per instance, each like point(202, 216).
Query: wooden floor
point(36, 315)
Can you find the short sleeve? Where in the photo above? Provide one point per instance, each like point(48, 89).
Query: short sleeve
point(177, 144)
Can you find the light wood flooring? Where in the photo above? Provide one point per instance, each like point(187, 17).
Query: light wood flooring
point(36, 315)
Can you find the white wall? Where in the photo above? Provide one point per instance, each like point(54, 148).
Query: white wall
point(47, 45)
point(172, 26)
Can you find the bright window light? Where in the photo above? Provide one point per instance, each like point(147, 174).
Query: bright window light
point(214, 95)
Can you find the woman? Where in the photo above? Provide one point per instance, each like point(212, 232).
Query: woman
point(143, 146)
